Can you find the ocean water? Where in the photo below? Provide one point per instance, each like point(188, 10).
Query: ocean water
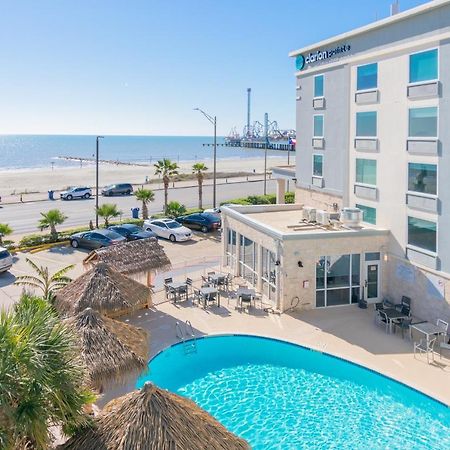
point(278, 395)
point(36, 151)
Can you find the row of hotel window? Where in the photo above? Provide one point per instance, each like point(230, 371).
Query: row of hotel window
point(423, 122)
point(423, 66)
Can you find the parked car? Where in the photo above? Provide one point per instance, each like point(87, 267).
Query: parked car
point(201, 221)
point(95, 239)
point(76, 192)
point(132, 232)
point(118, 189)
point(169, 229)
point(6, 260)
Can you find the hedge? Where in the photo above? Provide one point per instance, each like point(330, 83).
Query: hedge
point(269, 199)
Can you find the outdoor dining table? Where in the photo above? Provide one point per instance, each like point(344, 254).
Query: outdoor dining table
point(426, 328)
point(393, 314)
point(178, 288)
point(206, 292)
point(217, 279)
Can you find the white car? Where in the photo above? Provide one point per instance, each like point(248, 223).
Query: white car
point(76, 192)
point(169, 229)
point(6, 260)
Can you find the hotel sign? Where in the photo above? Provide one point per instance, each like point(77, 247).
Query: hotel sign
point(320, 55)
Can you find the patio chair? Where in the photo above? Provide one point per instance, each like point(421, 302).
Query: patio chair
point(197, 296)
point(227, 282)
point(387, 303)
point(405, 303)
point(443, 325)
point(245, 301)
point(168, 280)
point(424, 346)
point(205, 281)
point(189, 284)
point(381, 318)
point(402, 324)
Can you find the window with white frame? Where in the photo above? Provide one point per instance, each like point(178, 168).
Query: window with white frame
point(366, 171)
point(247, 260)
point(423, 122)
point(338, 280)
point(422, 234)
point(269, 274)
point(423, 66)
point(231, 248)
point(317, 168)
point(318, 86)
point(366, 124)
point(367, 77)
point(422, 178)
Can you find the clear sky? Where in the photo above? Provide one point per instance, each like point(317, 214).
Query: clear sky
point(140, 66)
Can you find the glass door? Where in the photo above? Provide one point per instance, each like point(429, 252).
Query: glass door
point(372, 283)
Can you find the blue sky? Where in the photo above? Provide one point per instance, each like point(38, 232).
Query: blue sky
point(140, 66)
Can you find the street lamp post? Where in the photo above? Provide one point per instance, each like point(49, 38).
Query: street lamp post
point(213, 120)
point(96, 181)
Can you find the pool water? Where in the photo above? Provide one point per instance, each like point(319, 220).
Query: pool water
point(277, 395)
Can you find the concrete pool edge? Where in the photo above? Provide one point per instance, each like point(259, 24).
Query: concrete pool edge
point(419, 390)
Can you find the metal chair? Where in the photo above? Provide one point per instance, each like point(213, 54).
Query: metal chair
point(425, 346)
point(402, 324)
point(443, 325)
point(381, 318)
point(197, 296)
point(168, 280)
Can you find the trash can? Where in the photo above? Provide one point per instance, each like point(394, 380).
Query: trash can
point(50, 195)
point(135, 213)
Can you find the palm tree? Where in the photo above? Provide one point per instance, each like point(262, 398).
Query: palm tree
point(145, 196)
point(175, 209)
point(41, 376)
point(43, 281)
point(199, 169)
point(108, 211)
point(167, 169)
point(5, 230)
point(50, 219)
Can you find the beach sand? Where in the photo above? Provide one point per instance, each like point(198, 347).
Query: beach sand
point(13, 182)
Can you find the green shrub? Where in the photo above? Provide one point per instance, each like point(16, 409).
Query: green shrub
point(269, 199)
point(289, 197)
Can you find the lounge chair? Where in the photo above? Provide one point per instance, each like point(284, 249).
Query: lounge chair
point(425, 346)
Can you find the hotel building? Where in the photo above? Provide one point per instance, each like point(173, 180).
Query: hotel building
point(373, 132)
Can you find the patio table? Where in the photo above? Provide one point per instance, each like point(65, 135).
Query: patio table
point(426, 328)
point(178, 288)
point(247, 292)
point(217, 279)
point(393, 314)
point(205, 292)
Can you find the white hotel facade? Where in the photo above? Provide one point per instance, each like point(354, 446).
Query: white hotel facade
point(373, 132)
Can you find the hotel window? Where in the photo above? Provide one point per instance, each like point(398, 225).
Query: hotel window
point(422, 233)
point(366, 124)
point(423, 122)
point(337, 280)
point(317, 165)
point(318, 126)
point(318, 86)
point(247, 260)
point(369, 214)
point(231, 248)
point(269, 274)
point(366, 171)
point(422, 178)
point(423, 66)
point(367, 77)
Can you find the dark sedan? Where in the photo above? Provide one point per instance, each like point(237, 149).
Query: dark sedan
point(132, 232)
point(201, 221)
point(95, 239)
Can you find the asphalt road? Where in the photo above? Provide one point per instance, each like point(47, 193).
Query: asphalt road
point(23, 217)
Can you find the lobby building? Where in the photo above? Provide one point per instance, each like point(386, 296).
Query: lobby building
point(373, 133)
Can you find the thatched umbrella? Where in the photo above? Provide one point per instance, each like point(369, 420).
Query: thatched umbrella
point(136, 259)
point(110, 349)
point(154, 419)
point(104, 289)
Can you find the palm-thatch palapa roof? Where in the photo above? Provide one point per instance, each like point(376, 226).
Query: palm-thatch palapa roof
point(104, 289)
point(110, 349)
point(143, 255)
point(154, 419)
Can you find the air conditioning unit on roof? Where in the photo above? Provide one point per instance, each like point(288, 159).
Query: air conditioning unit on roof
point(322, 217)
point(351, 217)
point(309, 214)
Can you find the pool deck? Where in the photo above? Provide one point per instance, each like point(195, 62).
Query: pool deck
point(347, 332)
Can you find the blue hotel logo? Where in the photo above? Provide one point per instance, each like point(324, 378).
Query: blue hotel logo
point(320, 55)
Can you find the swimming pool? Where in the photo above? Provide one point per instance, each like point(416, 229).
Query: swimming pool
point(279, 395)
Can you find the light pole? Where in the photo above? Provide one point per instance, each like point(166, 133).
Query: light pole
point(96, 181)
point(213, 120)
point(266, 144)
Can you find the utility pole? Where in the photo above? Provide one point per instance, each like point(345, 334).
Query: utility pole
point(266, 143)
point(213, 120)
point(96, 180)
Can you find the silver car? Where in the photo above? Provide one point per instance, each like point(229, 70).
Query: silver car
point(76, 192)
point(168, 229)
point(6, 260)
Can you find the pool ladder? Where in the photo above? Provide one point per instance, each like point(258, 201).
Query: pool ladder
point(185, 333)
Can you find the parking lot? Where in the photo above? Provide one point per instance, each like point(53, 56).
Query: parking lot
point(202, 249)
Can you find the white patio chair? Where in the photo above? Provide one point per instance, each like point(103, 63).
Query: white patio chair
point(424, 346)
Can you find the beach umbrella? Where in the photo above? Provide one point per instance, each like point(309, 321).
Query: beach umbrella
point(111, 350)
point(104, 289)
point(154, 419)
